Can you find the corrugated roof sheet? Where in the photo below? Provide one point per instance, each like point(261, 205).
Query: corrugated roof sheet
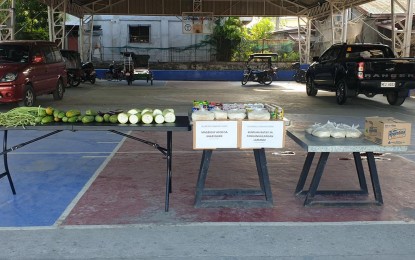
point(383, 7)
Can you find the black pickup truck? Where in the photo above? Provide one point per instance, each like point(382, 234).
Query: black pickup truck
point(369, 69)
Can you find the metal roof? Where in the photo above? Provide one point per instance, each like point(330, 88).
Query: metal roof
point(313, 8)
point(380, 7)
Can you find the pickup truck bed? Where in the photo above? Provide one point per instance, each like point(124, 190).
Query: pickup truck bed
point(369, 69)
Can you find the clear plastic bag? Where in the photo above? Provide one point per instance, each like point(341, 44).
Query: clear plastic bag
point(310, 129)
point(353, 132)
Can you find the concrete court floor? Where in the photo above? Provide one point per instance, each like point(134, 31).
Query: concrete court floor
point(299, 108)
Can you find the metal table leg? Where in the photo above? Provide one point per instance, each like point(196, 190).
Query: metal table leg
point(204, 166)
point(7, 150)
point(261, 163)
point(310, 194)
point(6, 164)
point(360, 173)
point(169, 170)
point(265, 189)
point(316, 178)
point(374, 178)
point(304, 173)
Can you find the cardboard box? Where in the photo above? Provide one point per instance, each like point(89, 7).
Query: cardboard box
point(387, 131)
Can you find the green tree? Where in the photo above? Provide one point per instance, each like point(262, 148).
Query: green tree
point(226, 36)
point(262, 30)
point(31, 20)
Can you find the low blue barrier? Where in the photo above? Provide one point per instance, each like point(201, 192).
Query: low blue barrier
point(204, 75)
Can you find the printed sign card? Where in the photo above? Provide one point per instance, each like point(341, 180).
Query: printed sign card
point(215, 134)
point(262, 134)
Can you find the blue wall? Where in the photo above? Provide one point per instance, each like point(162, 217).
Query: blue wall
point(204, 75)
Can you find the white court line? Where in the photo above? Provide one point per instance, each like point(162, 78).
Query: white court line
point(71, 205)
point(95, 156)
point(224, 224)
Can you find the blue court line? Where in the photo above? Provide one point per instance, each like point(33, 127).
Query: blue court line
point(49, 174)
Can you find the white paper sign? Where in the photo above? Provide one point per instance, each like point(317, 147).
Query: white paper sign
point(215, 134)
point(262, 134)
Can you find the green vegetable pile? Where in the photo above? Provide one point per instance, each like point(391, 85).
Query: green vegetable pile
point(25, 116)
point(20, 116)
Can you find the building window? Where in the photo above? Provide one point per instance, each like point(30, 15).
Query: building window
point(139, 33)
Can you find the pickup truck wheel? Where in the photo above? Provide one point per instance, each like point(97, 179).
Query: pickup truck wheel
point(394, 99)
point(341, 92)
point(310, 88)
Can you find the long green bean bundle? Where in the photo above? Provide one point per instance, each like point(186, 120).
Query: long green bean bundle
point(20, 116)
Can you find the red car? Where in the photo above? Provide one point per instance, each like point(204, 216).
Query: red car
point(29, 69)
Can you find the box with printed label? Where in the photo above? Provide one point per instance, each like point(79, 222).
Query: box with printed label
point(387, 131)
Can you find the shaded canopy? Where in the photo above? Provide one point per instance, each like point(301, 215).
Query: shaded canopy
point(312, 8)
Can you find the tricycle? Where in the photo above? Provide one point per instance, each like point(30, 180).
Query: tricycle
point(259, 68)
point(136, 67)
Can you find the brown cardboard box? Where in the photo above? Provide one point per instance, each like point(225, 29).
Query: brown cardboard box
point(387, 131)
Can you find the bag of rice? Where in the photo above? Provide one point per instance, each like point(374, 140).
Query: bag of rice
point(321, 131)
point(202, 115)
point(220, 115)
point(236, 114)
point(310, 129)
point(259, 115)
point(338, 132)
point(353, 132)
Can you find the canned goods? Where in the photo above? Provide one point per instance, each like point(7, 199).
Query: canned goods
point(279, 113)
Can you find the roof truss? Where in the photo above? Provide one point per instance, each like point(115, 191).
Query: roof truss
point(311, 8)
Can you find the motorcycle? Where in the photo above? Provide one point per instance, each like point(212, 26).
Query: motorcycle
point(114, 73)
point(299, 72)
point(72, 61)
point(264, 73)
point(74, 77)
point(261, 76)
point(88, 72)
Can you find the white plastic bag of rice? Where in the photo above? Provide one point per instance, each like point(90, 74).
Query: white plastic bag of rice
point(353, 132)
point(338, 132)
point(202, 115)
point(259, 115)
point(236, 114)
point(220, 114)
point(311, 128)
point(321, 131)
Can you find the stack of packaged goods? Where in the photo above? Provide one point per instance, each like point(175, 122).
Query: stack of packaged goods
point(204, 110)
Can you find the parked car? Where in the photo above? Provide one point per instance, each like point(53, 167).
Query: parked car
point(366, 68)
point(29, 69)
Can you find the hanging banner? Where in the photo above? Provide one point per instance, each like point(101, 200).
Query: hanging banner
point(197, 22)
